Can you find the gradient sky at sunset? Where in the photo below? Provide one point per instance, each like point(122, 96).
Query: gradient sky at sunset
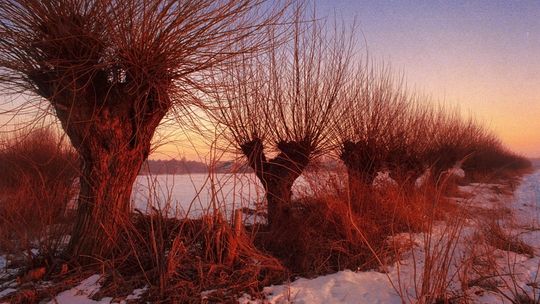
point(482, 55)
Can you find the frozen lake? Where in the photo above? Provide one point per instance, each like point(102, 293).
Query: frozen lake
point(196, 194)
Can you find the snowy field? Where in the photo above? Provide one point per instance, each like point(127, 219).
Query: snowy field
point(512, 275)
point(474, 271)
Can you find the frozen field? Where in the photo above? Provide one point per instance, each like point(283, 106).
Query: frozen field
point(196, 193)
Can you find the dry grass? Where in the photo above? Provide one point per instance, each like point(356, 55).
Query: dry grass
point(491, 263)
point(328, 231)
point(33, 292)
point(497, 237)
point(181, 259)
point(300, 98)
point(317, 237)
point(184, 260)
point(37, 186)
point(178, 259)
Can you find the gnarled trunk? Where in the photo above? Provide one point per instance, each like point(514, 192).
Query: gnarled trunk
point(278, 174)
point(362, 165)
point(104, 200)
point(113, 141)
point(278, 192)
point(111, 124)
point(405, 167)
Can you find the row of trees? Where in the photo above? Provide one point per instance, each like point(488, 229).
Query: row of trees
point(311, 96)
point(287, 90)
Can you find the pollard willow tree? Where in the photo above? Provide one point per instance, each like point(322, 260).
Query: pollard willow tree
point(374, 107)
point(408, 140)
point(451, 140)
point(277, 109)
point(111, 70)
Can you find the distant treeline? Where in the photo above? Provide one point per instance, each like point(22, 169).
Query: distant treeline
point(183, 166)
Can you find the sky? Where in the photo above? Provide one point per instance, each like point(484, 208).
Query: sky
point(481, 55)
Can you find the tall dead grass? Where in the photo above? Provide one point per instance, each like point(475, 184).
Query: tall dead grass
point(186, 259)
point(37, 186)
point(326, 233)
point(215, 259)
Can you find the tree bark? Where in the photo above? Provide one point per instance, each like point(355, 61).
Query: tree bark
point(113, 140)
point(104, 202)
point(405, 168)
point(278, 174)
point(362, 164)
point(279, 194)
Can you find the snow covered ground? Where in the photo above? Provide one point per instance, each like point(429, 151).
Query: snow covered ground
point(473, 269)
point(512, 275)
point(81, 293)
point(6, 286)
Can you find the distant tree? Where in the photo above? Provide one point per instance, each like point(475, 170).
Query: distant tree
point(450, 139)
point(408, 140)
point(369, 128)
point(111, 70)
point(277, 109)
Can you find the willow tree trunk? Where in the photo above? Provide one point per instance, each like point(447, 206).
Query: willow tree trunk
point(406, 178)
point(362, 162)
point(277, 175)
point(278, 193)
point(104, 201)
point(113, 142)
point(360, 183)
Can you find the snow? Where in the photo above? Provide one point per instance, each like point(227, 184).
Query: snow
point(7, 291)
point(342, 287)
point(82, 293)
point(136, 294)
point(6, 287)
point(423, 178)
point(383, 180)
point(196, 194)
point(456, 172)
point(515, 273)
point(485, 196)
point(527, 201)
